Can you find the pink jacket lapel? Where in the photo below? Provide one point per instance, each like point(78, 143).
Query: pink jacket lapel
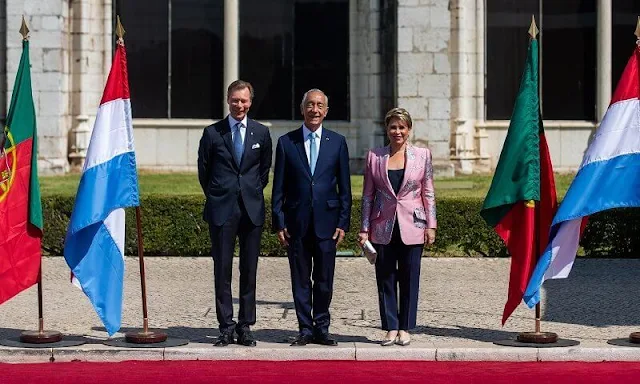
point(384, 169)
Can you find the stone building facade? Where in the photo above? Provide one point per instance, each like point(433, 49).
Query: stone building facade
point(454, 64)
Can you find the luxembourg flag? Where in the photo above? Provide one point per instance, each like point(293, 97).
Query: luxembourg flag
point(609, 177)
point(94, 246)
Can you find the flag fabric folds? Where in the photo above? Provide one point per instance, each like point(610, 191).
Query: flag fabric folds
point(609, 177)
point(94, 246)
point(522, 198)
point(20, 205)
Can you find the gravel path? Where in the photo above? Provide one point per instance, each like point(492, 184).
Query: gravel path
point(461, 301)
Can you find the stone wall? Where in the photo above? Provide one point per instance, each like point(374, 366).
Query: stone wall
point(70, 51)
point(91, 53)
point(47, 21)
point(172, 144)
point(467, 87)
point(424, 74)
point(366, 76)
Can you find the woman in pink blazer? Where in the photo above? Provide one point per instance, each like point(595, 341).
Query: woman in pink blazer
point(399, 218)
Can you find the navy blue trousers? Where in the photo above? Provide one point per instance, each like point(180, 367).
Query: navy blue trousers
point(223, 241)
point(398, 279)
point(310, 256)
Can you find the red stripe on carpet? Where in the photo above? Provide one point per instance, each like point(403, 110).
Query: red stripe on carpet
point(344, 372)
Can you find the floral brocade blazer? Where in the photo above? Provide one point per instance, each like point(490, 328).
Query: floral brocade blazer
point(414, 207)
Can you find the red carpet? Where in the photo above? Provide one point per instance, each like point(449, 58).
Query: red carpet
point(344, 372)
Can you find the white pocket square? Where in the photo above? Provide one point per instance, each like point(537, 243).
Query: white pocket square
point(256, 145)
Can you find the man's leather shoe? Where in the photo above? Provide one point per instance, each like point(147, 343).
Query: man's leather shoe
point(301, 341)
point(246, 338)
point(325, 340)
point(224, 339)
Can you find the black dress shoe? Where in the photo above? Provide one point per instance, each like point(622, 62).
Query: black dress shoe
point(246, 338)
point(325, 340)
point(224, 339)
point(301, 341)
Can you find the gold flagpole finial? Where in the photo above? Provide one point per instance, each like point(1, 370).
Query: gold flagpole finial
point(119, 29)
point(637, 32)
point(24, 30)
point(533, 29)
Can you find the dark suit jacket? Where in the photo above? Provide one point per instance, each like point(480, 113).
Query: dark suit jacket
point(298, 198)
point(221, 178)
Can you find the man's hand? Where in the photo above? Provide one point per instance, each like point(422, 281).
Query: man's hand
point(430, 235)
point(283, 237)
point(362, 238)
point(339, 234)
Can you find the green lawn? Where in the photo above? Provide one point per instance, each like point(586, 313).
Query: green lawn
point(187, 183)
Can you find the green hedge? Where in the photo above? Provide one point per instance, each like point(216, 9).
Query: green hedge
point(173, 225)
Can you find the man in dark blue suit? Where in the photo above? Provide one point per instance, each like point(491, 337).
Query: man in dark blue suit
point(311, 208)
point(234, 159)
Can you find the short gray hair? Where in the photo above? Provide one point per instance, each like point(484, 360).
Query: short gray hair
point(306, 94)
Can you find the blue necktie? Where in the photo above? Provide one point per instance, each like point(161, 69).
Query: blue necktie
point(237, 143)
point(313, 152)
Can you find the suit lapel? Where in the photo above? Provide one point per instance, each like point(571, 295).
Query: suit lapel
point(384, 169)
point(299, 143)
point(249, 140)
point(323, 150)
point(226, 137)
point(409, 166)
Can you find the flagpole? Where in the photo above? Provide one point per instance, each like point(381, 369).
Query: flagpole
point(538, 318)
point(537, 336)
point(40, 336)
point(634, 337)
point(145, 336)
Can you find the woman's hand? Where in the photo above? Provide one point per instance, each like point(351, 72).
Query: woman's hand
point(362, 238)
point(430, 235)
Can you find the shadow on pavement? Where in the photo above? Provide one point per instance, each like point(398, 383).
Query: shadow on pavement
point(12, 334)
point(8, 333)
point(199, 335)
point(209, 335)
point(466, 333)
point(281, 304)
point(597, 293)
point(287, 336)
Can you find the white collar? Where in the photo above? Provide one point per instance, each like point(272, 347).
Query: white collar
point(233, 122)
point(306, 131)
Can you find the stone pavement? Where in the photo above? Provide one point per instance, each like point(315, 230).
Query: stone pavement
point(459, 313)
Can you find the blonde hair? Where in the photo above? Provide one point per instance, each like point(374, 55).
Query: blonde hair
point(398, 113)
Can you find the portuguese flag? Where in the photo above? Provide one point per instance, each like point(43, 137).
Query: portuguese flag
point(20, 206)
point(522, 199)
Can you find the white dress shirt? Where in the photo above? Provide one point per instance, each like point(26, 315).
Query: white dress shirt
point(243, 127)
point(305, 135)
